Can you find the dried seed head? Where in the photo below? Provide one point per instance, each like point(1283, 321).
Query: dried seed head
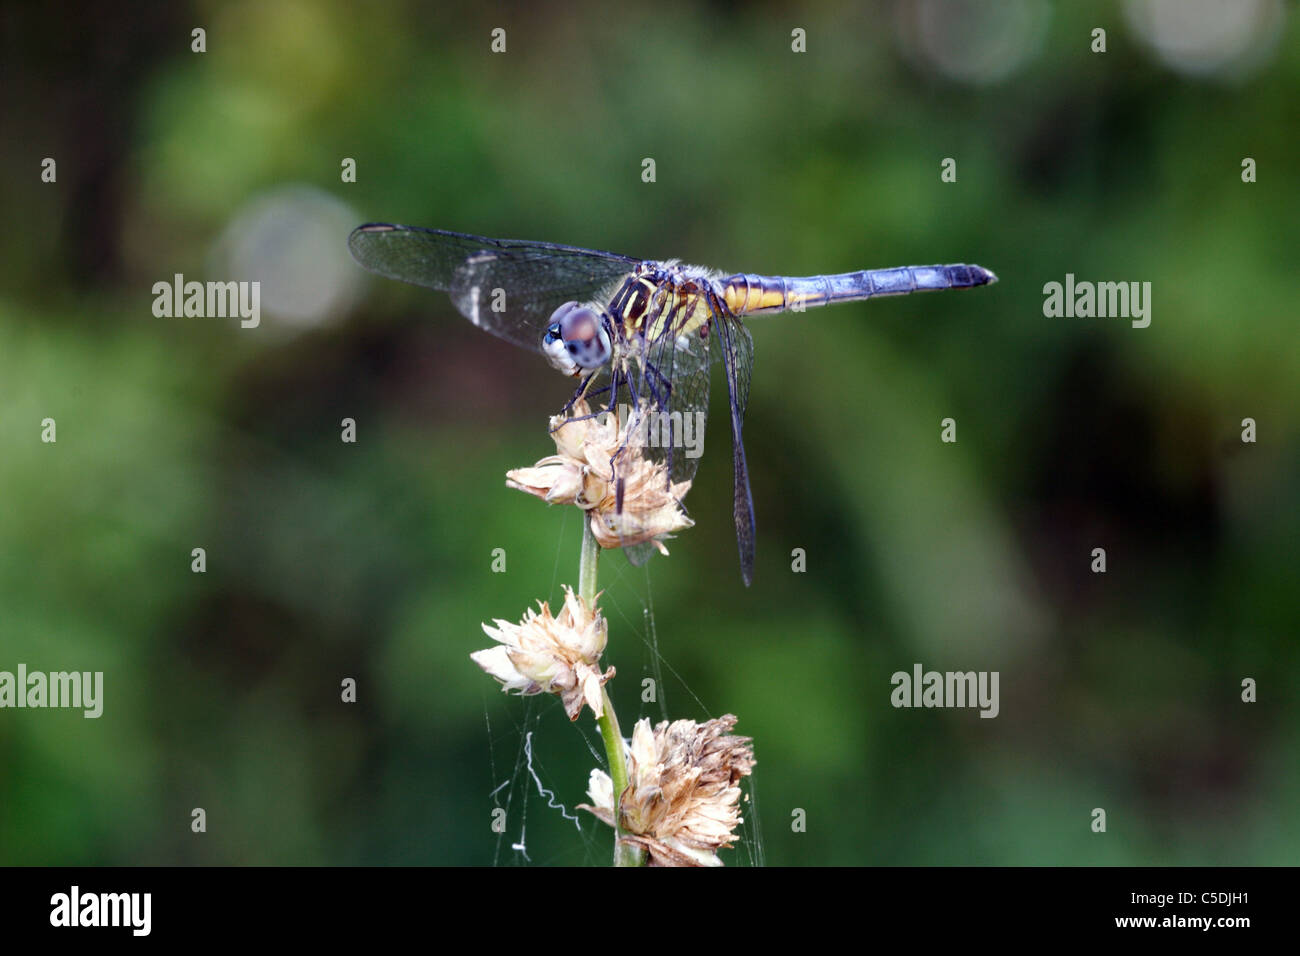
point(682, 800)
point(551, 655)
point(581, 474)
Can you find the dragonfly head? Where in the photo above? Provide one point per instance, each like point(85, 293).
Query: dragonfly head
point(577, 340)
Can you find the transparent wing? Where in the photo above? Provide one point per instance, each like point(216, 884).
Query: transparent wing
point(504, 286)
point(737, 350)
point(675, 385)
point(681, 409)
point(671, 384)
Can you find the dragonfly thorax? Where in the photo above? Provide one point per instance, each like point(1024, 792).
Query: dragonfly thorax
point(577, 339)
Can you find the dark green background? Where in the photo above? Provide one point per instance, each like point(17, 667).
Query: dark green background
point(372, 561)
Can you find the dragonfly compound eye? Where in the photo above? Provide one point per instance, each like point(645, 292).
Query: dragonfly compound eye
point(577, 339)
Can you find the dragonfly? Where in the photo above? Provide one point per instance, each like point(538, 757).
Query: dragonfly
point(654, 327)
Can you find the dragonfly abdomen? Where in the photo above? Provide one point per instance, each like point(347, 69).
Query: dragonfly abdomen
point(748, 294)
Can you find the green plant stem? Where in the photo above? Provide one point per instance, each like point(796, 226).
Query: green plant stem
point(608, 722)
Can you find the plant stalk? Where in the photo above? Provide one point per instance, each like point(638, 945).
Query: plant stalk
point(608, 722)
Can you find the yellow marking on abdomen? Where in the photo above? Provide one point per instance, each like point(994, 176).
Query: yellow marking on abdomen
point(744, 294)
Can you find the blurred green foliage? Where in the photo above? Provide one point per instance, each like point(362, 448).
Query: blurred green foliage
point(372, 561)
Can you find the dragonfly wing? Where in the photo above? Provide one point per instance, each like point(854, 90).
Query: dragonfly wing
point(504, 286)
point(737, 348)
point(671, 383)
point(677, 390)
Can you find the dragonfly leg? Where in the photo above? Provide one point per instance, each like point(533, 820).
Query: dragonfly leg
point(654, 393)
point(581, 392)
point(631, 392)
point(575, 418)
point(619, 378)
point(616, 477)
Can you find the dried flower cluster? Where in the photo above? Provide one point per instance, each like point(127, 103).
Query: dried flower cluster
point(551, 655)
point(580, 473)
point(682, 803)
